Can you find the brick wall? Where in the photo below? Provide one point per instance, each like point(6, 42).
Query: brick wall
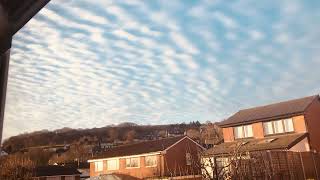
point(313, 124)
point(172, 162)
point(140, 172)
point(228, 134)
point(299, 124)
point(175, 162)
point(258, 130)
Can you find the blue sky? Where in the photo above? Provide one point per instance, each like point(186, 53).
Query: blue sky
point(90, 63)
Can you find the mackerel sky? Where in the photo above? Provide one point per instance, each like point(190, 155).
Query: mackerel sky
point(91, 63)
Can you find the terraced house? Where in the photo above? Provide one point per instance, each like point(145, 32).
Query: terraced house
point(158, 158)
point(291, 125)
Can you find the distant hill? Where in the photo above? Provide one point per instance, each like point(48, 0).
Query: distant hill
point(122, 132)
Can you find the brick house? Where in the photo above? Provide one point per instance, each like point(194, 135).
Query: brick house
point(291, 125)
point(156, 158)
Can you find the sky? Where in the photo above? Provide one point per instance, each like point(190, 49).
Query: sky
point(92, 63)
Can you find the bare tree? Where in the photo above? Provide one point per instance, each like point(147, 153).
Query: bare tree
point(237, 164)
point(211, 132)
point(193, 133)
point(163, 133)
point(15, 167)
point(76, 153)
point(131, 135)
point(113, 134)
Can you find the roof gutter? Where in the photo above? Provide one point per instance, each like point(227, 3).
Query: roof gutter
point(124, 157)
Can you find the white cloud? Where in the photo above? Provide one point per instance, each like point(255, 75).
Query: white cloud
point(256, 35)
point(225, 20)
point(89, 16)
point(183, 43)
point(282, 38)
point(231, 36)
point(123, 34)
point(141, 63)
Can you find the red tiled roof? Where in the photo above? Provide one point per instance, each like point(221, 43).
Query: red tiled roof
point(139, 148)
point(269, 112)
point(278, 142)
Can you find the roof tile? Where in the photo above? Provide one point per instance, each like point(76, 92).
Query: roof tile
point(269, 112)
point(270, 143)
point(139, 148)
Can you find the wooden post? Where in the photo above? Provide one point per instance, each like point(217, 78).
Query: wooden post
point(303, 170)
point(287, 162)
point(215, 165)
point(271, 163)
point(315, 166)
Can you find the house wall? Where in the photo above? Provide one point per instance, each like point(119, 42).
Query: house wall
point(312, 117)
point(258, 130)
point(302, 146)
point(140, 172)
point(228, 134)
point(172, 162)
point(175, 161)
point(299, 124)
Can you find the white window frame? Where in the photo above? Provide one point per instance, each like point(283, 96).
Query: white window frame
point(246, 131)
point(117, 164)
point(291, 123)
point(283, 124)
point(238, 132)
point(266, 126)
point(278, 127)
point(130, 159)
point(98, 166)
point(153, 165)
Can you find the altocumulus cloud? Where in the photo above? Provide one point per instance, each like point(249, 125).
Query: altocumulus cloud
point(84, 63)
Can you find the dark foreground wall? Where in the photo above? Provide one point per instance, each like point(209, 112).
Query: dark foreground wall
point(4, 65)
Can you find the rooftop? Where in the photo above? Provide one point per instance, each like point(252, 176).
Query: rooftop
point(269, 112)
point(140, 148)
point(278, 142)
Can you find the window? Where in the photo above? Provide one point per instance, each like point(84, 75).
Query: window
point(112, 164)
point(188, 159)
point(248, 131)
point(98, 166)
point(150, 161)
point(243, 131)
point(268, 128)
point(133, 162)
point(238, 132)
point(279, 126)
point(288, 125)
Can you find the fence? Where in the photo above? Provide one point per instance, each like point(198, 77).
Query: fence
point(275, 165)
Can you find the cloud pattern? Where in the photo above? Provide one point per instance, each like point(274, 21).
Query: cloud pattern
point(83, 64)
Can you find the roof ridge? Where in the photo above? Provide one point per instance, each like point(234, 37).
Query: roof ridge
point(271, 111)
point(146, 141)
point(280, 102)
